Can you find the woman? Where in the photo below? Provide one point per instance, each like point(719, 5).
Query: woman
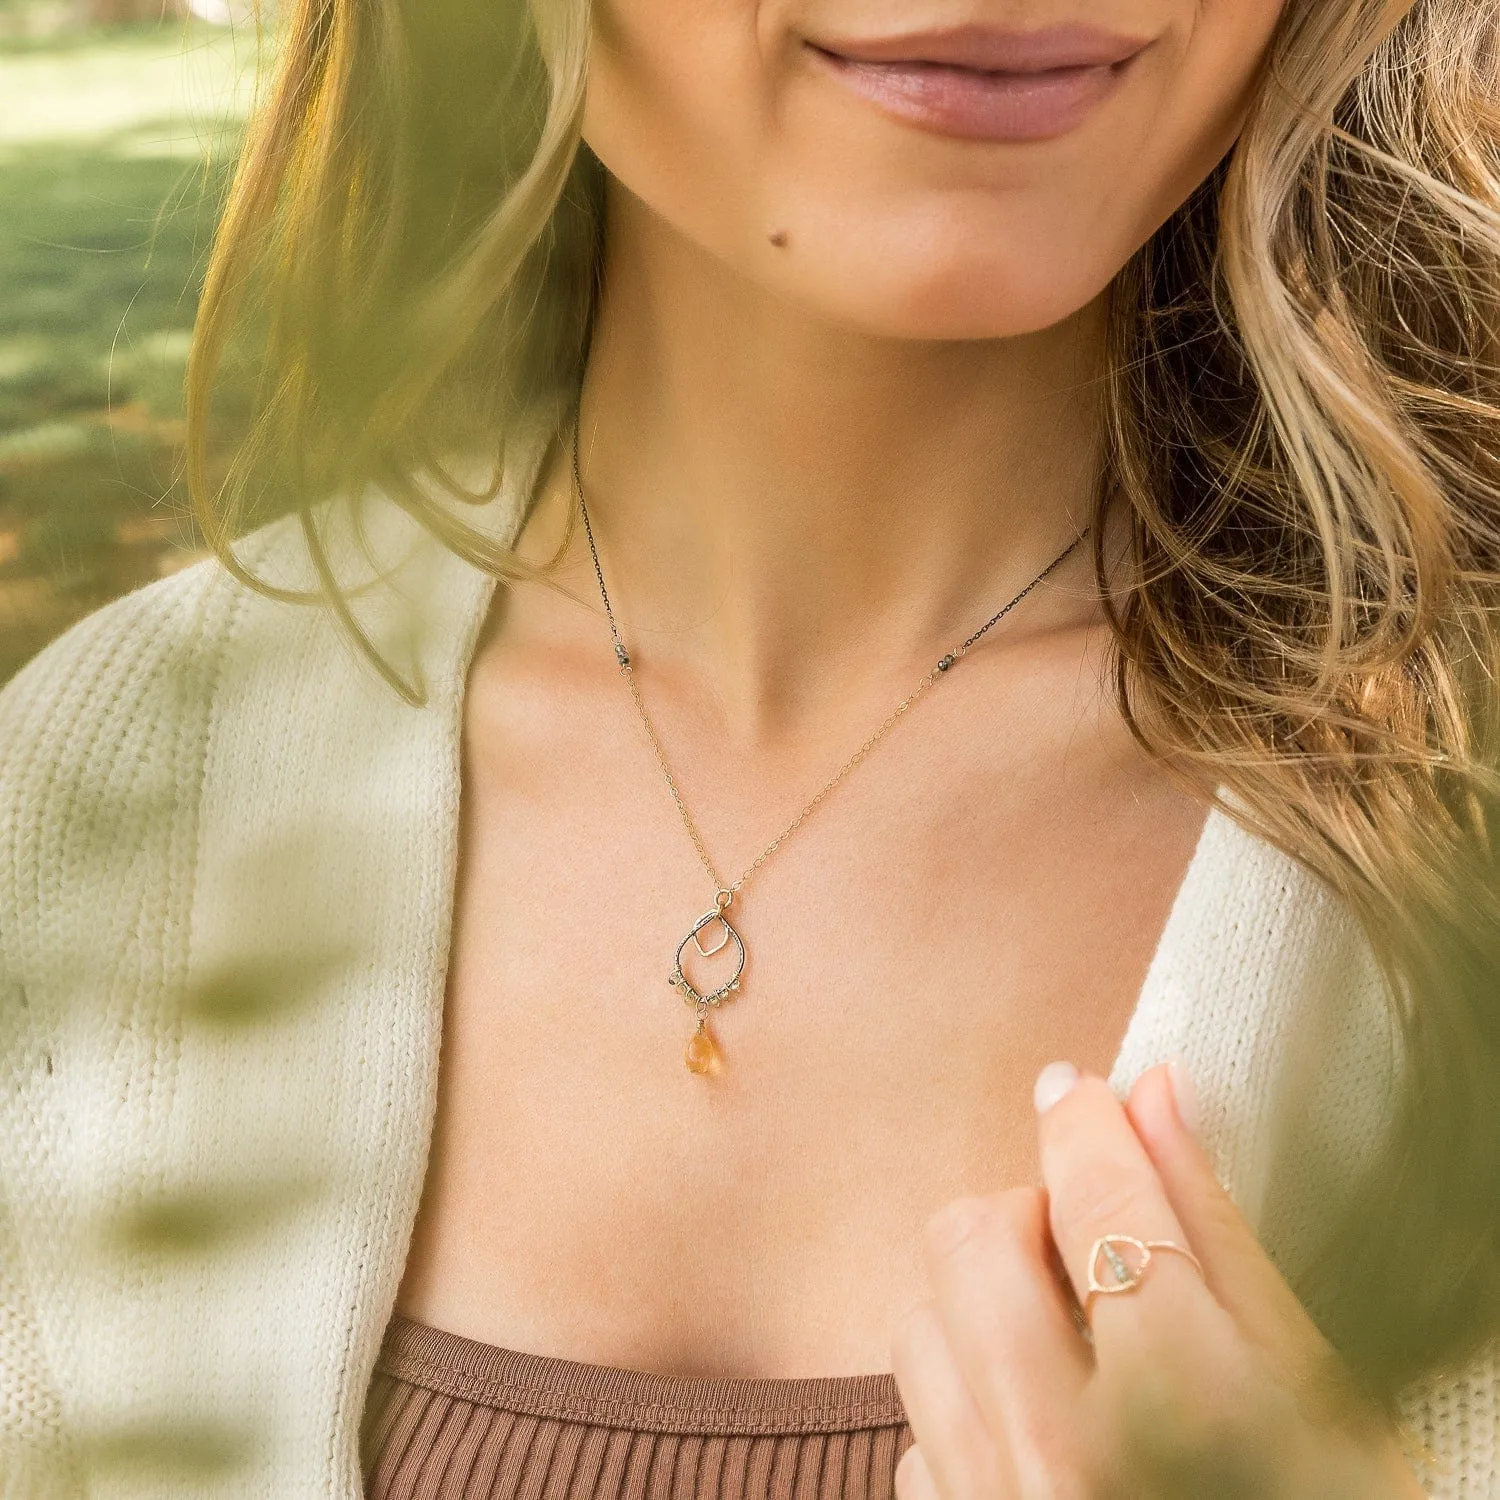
point(958, 537)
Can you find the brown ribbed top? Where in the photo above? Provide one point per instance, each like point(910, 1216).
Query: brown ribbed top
point(451, 1419)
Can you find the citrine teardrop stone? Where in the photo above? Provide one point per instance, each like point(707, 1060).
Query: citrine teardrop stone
point(703, 1054)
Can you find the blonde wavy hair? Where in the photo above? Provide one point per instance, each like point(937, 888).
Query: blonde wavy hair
point(1303, 419)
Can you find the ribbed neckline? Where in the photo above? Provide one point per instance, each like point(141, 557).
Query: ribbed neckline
point(544, 1385)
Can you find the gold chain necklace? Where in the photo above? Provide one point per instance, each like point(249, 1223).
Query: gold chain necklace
point(703, 1052)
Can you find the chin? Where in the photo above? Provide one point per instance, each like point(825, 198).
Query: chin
point(932, 293)
point(960, 307)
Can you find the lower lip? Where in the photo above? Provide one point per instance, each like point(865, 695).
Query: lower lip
point(980, 106)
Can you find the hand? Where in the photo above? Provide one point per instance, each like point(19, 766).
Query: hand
point(1219, 1385)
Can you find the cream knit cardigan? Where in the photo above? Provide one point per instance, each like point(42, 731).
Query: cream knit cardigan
point(227, 860)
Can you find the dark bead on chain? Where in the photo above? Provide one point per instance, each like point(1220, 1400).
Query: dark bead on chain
point(946, 662)
point(622, 655)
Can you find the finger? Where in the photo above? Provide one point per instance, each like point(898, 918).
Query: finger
point(1008, 1322)
point(1243, 1278)
point(1100, 1182)
point(963, 1455)
point(914, 1479)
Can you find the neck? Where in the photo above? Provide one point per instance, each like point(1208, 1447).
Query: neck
point(773, 497)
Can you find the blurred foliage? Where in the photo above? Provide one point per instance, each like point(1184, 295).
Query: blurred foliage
point(192, 1223)
point(115, 146)
point(169, 1454)
point(253, 991)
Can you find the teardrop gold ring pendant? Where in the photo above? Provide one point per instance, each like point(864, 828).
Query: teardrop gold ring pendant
point(720, 933)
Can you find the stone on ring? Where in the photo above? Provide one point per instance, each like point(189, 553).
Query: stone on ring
point(1126, 1261)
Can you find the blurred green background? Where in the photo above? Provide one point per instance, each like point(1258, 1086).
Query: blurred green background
point(119, 120)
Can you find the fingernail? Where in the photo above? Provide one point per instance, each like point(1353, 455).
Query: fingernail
point(1184, 1096)
point(1055, 1080)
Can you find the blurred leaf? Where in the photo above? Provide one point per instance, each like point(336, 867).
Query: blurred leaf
point(247, 992)
point(189, 1223)
point(169, 1451)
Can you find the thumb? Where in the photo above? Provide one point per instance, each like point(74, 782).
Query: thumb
point(1240, 1274)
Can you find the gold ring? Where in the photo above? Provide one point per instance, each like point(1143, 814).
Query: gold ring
point(1127, 1274)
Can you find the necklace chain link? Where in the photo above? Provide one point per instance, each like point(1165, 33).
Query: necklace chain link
point(725, 892)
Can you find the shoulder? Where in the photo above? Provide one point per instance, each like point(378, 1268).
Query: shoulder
point(136, 668)
point(198, 692)
point(140, 655)
point(102, 736)
point(127, 693)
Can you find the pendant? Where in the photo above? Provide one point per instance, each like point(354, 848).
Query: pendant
point(710, 934)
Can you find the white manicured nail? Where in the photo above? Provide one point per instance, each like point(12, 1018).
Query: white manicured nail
point(1184, 1096)
point(1055, 1080)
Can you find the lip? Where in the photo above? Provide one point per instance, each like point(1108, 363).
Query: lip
point(982, 83)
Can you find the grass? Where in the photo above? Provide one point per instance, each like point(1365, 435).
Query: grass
point(114, 151)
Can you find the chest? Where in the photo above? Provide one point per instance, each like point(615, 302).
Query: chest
point(954, 915)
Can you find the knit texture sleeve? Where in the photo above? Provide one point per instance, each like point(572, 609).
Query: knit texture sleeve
point(226, 867)
point(100, 739)
point(1456, 1417)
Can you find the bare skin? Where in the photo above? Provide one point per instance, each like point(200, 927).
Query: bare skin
point(801, 501)
point(588, 1196)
